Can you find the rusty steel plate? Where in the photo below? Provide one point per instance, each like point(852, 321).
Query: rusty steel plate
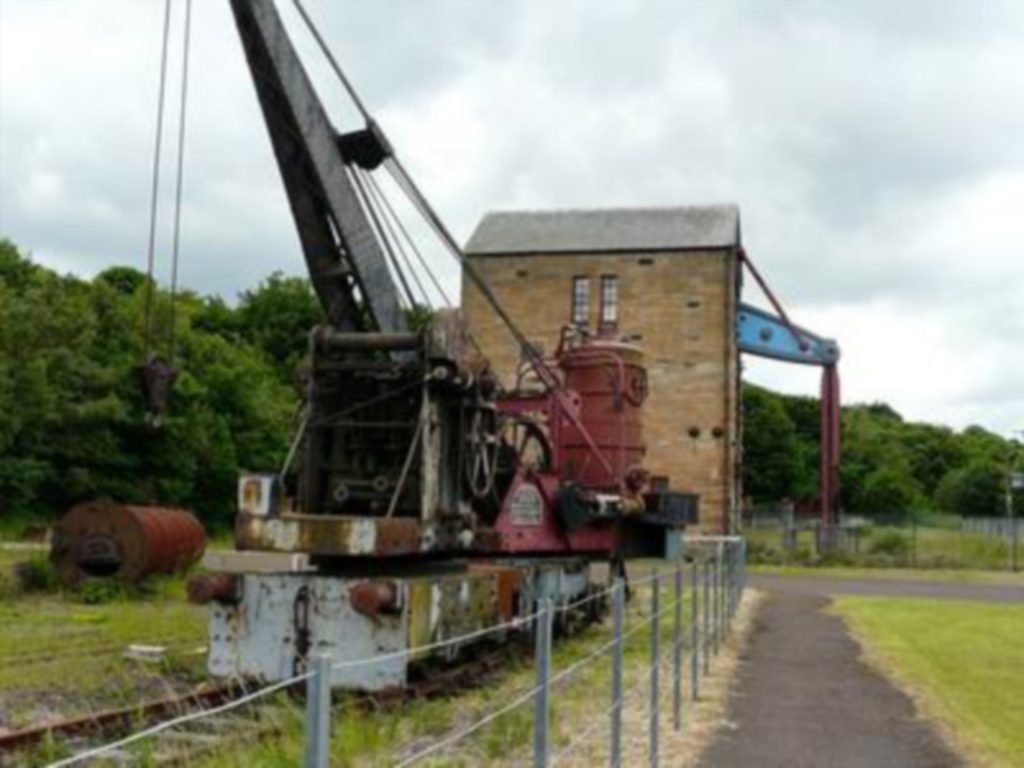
point(329, 535)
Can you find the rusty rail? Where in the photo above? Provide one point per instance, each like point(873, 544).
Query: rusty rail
point(109, 720)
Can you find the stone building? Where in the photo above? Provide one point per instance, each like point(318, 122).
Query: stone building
point(666, 277)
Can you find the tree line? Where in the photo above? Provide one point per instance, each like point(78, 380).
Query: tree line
point(889, 465)
point(72, 423)
point(72, 417)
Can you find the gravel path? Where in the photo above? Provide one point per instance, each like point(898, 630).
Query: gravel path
point(803, 698)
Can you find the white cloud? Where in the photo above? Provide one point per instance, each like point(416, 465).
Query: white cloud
point(874, 150)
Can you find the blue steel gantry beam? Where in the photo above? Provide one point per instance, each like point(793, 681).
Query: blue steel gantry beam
point(759, 332)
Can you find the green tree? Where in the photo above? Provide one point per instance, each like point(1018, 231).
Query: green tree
point(277, 317)
point(771, 456)
point(975, 490)
point(890, 490)
point(71, 412)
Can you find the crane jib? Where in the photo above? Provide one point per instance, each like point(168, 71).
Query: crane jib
point(343, 253)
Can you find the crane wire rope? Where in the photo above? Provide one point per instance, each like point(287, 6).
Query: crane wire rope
point(419, 200)
point(371, 211)
point(385, 214)
point(411, 242)
point(150, 254)
point(179, 181)
point(549, 379)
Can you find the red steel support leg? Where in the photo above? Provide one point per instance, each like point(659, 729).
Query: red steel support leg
point(829, 487)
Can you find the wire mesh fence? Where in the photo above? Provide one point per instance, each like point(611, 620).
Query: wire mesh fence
point(611, 695)
point(899, 540)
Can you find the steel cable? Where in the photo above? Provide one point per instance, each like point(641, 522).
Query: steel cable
point(150, 255)
point(160, 727)
point(375, 193)
point(412, 243)
point(363, 195)
point(180, 178)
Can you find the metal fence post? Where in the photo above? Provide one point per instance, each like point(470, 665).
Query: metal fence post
point(743, 566)
point(655, 651)
point(733, 577)
point(715, 561)
point(720, 636)
point(734, 549)
point(677, 650)
point(727, 585)
point(706, 624)
point(618, 611)
point(694, 630)
point(318, 712)
point(542, 705)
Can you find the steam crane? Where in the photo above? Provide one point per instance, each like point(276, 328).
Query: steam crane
point(419, 502)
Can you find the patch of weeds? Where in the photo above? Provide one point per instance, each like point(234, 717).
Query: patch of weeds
point(509, 732)
point(35, 575)
point(429, 719)
point(838, 558)
point(360, 733)
point(762, 553)
point(889, 543)
point(101, 591)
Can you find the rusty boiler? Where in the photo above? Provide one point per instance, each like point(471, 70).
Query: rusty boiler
point(104, 539)
point(611, 381)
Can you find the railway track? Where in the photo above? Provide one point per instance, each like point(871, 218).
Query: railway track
point(182, 744)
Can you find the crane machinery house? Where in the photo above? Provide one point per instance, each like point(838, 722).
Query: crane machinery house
point(667, 279)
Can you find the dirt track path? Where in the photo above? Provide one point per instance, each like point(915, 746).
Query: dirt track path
point(803, 698)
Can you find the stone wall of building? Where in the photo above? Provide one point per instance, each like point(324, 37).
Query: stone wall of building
point(681, 306)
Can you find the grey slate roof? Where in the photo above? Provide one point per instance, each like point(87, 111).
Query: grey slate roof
point(611, 229)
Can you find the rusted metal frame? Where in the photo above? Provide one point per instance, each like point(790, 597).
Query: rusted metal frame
point(329, 535)
point(523, 407)
point(327, 390)
point(384, 396)
point(332, 339)
point(407, 464)
point(102, 722)
point(365, 425)
point(830, 450)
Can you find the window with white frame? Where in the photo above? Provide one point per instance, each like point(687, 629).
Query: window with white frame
point(609, 301)
point(580, 300)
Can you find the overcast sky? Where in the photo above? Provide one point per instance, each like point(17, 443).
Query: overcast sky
point(876, 151)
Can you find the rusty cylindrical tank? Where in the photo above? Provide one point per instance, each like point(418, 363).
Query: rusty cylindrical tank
point(611, 380)
point(103, 539)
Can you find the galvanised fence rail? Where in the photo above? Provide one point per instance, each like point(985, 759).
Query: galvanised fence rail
point(1007, 527)
point(657, 654)
point(894, 540)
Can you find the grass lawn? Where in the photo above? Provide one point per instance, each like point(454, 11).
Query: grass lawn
point(963, 661)
point(907, 574)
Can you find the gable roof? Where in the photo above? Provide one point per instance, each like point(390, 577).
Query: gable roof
point(610, 229)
